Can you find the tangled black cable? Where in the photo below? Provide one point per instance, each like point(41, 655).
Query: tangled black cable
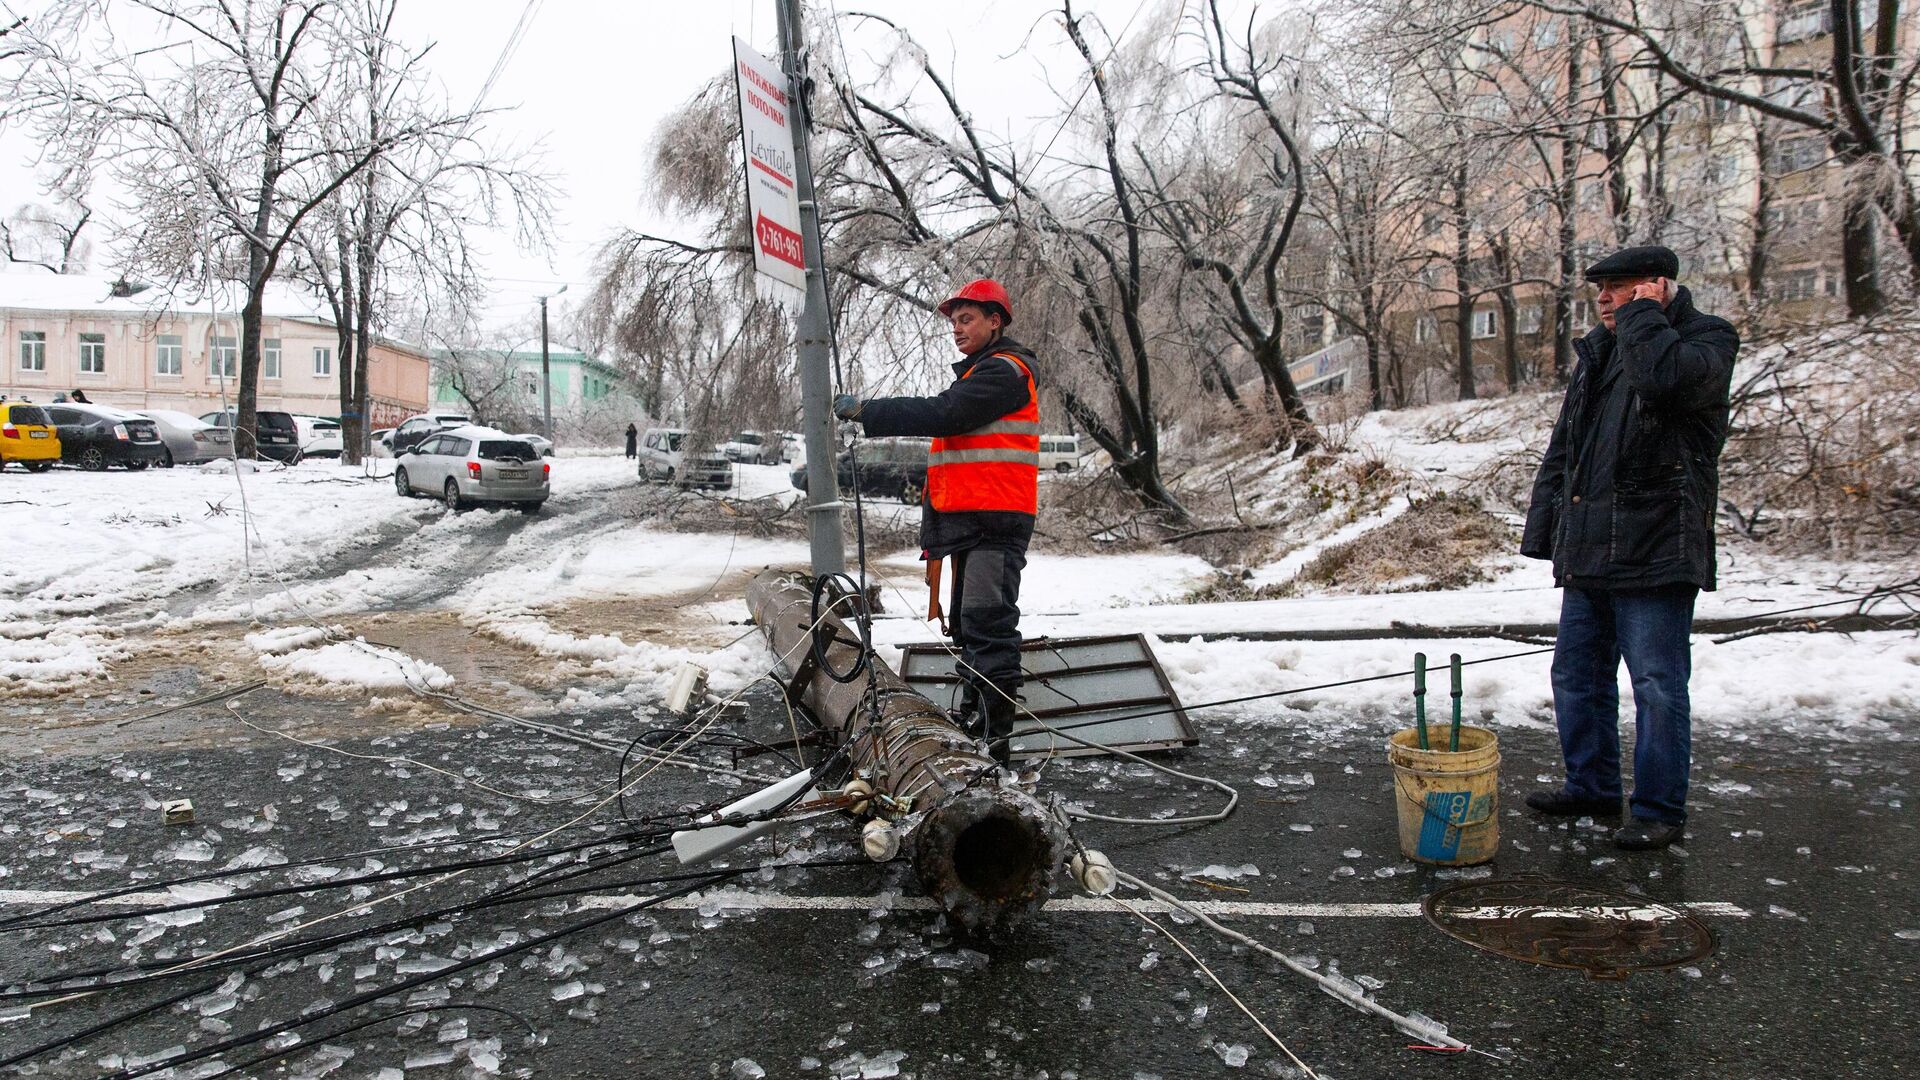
point(824, 635)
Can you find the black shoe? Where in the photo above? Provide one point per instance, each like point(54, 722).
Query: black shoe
point(1561, 804)
point(1646, 834)
point(999, 707)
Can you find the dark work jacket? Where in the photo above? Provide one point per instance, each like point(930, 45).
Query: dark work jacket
point(997, 389)
point(1627, 491)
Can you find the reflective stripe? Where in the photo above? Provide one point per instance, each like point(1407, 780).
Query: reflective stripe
point(1006, 427)
point(974, 457)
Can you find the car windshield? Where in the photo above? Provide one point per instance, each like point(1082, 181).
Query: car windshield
point(28, 414)
point(506, 450)
point(749, 438)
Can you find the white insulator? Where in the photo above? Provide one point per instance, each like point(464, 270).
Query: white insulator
point(881, 841)
point(861, 793)
point(1094, 871)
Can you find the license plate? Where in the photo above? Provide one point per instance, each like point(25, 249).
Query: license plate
point(513, 474)
point(221, 436)
point(36, 434)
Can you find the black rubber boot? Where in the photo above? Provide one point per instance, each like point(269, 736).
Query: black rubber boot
point(966, 715)
point(1645, 834)
point(1000, 707)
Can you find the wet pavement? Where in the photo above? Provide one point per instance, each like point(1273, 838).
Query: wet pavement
point(1812, 841)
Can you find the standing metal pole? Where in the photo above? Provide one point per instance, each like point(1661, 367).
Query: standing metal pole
point(546, 377)
point(815, 332)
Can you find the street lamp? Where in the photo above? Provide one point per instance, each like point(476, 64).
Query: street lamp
point(546, 374)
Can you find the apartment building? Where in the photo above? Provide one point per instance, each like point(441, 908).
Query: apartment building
point(147, 349)
point(1751, 204)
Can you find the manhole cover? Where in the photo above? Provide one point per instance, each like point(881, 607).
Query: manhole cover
point(1608, 935)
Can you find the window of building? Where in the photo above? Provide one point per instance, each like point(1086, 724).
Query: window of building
point(1582, 316)
point(166, 354)
point(1486, 323)
point(33, 350)
point(93, 354)
point(270, 358)
point(1800, 21)
point(1793, 155)
point(530, 380)
point(1546, 33)
point(1527, 320)
point(1801, 284)
point(1425, 329)
point(224, 360)
point(322, 360)
point(1313, 326)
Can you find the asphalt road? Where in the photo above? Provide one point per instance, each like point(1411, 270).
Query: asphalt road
point(1812, 841)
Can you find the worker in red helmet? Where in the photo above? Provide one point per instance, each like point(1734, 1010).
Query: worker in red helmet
point(981, 495)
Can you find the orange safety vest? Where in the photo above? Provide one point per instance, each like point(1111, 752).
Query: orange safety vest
point(994, 467)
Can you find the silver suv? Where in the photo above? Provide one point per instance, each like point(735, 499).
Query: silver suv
point(665, 457)
point(468, 465)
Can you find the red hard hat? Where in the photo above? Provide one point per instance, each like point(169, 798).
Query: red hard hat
point(981, 291)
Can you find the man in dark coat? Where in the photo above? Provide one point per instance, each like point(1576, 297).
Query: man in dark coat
point(633, 441)
point(982, 494)
point(1624, 506)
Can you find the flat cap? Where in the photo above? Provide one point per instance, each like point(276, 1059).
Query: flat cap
point(1649, 261)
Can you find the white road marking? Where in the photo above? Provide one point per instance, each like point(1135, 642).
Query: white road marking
point(751, 901)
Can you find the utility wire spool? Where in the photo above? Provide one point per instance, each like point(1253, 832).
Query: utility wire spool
point(987, 851)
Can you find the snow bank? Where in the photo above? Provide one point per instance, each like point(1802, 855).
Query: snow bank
point(356, 663)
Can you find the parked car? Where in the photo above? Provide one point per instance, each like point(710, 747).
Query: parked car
point(416, 428)
point(471, 464)
point(540, 443)
point(188, 440)
point(27, 435)
point(665, 458)
point(752, 448)
point(96, 436)
point(893, 468)
point(279, 436)
point(1059, 453)
point(380, 443)
point(793, 448)
point(319, 436)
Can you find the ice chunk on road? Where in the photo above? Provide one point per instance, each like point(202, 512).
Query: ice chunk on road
point(858, 1066)
point(1227, 873)
point(567, 991)
point(747, 1069)
point(1233, 1054)
point(190, 851)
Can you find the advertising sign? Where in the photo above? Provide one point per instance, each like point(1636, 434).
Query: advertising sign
point(773, 199)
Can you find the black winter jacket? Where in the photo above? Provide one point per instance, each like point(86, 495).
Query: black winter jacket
point(992, 392)
point(1627, 491)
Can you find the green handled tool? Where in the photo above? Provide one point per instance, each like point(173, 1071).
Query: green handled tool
point(1453, 744)
point(1420, 696)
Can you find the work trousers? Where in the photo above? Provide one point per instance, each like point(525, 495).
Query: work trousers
point(985, 612)
point(1649, 628)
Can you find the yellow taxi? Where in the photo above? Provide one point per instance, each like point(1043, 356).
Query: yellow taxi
point(27, 436)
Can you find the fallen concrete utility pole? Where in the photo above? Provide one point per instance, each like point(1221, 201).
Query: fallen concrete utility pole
point(986, 851)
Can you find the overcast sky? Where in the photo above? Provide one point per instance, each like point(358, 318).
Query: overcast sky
point(591, 81)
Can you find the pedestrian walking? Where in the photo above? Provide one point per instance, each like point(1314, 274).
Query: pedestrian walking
point(1624, 506)
point(633, 441)
point(981, 494)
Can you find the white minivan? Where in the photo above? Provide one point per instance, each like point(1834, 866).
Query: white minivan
point(1059, 453)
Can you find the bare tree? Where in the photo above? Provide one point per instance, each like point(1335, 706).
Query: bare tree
point(1855, 99)
point(221, 140)
point(49, 237)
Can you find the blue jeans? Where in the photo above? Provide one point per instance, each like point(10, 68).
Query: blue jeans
point(1648, 628)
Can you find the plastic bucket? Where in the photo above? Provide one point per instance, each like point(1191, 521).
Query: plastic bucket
point(1448, 801)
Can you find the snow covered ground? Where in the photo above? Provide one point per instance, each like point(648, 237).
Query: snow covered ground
point(104, 565)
